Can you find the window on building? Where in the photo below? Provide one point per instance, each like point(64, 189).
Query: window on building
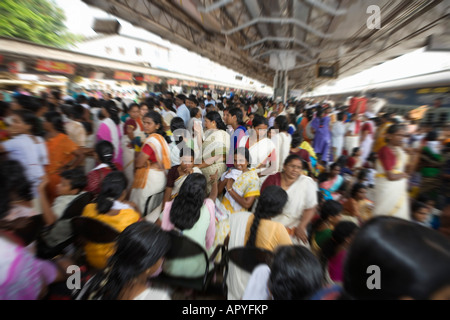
point(121, 50)
point(108, 50)
point(138, 51)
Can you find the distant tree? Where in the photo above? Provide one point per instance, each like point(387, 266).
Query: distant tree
point(38, 21)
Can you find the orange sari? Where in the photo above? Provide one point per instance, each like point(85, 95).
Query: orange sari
point(60, 149)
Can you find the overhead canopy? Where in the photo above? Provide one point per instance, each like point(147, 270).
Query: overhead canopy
point(258, 37)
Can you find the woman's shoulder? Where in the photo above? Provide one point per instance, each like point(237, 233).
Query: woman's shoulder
point(90, 210)
point(252, 173)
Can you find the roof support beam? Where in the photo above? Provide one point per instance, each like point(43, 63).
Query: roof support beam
point(282, 39)
point(214, 6)
point(282, 21)
point(322, 6)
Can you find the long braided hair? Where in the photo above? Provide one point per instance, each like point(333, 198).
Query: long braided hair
point(270, 204)
point(105, 152)
point(138, 248)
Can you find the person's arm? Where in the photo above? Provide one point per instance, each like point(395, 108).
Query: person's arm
point(243, 202)
point(78, 158)
point(300, 231)
point(141, 160)
point(214, 186)
point(47, 212)
point(221, 185)
point(210, 161)
point(387, 161)
point(167, 194)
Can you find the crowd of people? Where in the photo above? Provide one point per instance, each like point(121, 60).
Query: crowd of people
point(329, 192)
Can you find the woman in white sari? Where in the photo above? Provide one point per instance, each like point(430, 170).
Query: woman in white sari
point(151, 163)
point(262, 150)
point(391, 182)
point(283, 141)
point(133, 136)
point(215, 147)
point(302, 198)
point(352, 136)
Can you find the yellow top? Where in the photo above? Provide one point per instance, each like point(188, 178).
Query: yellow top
point(97, 254)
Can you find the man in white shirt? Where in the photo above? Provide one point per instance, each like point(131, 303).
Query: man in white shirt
point(210, 100)
point(182, 110)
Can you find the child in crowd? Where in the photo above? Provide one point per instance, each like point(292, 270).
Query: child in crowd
point(69, 189)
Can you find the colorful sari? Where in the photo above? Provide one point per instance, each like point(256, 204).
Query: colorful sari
point(22, 275)
point(246, 185)
point(330, 187)
point(431, 162)
point(391, 197)
point(148, 181)
point(128, 157)
point(217, 143)
point(179, 182)
point(263, 155)
point(60, 149)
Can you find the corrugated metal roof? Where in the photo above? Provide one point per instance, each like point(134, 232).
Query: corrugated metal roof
point(257, 37)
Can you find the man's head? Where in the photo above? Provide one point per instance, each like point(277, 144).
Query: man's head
point(180, 100)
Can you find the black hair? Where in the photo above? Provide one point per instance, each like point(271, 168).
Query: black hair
point(394, 128)
point(194, 111)
point(55, 118)
point(112, 187)
point(177, 123)
point(182, 97)
point(432, 136)
point(81, 98)
point(4, 108)
point(296, 273)
point(246, 153)
point(330, 208)
point(282, 123)
point(77, 178)
point(292, 157)
point(157, 119)
point(297, 139)
point(341, 232)
point(138, 248)
point(340, 116)
point(215, 116)
point(105, 152)
point(270, 204)
point(355, 189)
point(187, 152)
point(15, 182)
point(168, 103)
point(112, 110)
point(237, 112)
point(362, 174)
point(412, 258)
point(133, 105)
point(28, 103)
point(187, 205)
point(354, 151)
point(416, 206)
point(29, 118)
point(259, 120)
